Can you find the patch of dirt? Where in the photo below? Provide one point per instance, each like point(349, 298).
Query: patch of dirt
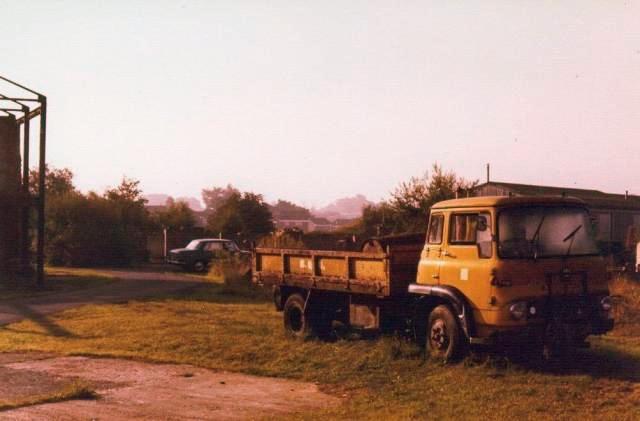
point(135, 390)
point(143, 391)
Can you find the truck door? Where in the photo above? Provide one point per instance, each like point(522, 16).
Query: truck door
point(431, 256)
point(467, 256)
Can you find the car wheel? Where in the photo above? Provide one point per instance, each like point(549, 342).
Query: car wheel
point(199, 266)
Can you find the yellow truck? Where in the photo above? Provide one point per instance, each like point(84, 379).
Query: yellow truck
point(489, 270)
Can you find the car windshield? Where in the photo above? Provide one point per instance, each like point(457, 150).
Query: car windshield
point(231, 246)
point(545, 231)
point(193, 245)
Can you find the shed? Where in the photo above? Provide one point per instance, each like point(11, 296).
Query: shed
point(617, 216)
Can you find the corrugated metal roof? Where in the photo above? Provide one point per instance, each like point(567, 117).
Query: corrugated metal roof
point(594, 198)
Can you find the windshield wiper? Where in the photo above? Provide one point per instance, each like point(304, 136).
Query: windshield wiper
point(571, 236)
point(535, 240)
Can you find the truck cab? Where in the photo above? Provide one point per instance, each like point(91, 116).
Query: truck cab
point(507, 267)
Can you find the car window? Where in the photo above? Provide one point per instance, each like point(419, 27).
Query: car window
point(212, 246)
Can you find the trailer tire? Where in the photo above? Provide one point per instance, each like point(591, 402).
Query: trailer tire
point(443, 339)
point(295, 320)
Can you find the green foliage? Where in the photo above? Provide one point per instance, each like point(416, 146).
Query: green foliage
point(178, 216)
point(235, 273)
point(242, 216)
point(215, 197)
point(57, 182)
point(412, 200)
point(376, 220)
point(408, 208)
point(97, 230)
point(288, 210)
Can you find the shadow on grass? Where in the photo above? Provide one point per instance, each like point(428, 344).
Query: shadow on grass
point(25, 311)
point(219, 293)
point(602, 362)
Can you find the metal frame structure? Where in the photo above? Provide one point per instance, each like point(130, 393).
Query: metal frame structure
point(26, 104)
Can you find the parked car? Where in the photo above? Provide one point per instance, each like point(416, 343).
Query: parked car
point(199, 253)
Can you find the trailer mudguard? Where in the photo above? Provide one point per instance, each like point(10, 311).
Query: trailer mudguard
point(454, 298)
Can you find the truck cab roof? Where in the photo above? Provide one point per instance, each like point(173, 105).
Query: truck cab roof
point(501, 201)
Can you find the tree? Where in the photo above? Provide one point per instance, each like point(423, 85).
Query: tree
point(288, 210)
point(128, 191)
point(408, 208)
point(57, 181)
point(177, 216)
point(97, 230)
point(412, 200)
point(215, 197)
point(243, 216)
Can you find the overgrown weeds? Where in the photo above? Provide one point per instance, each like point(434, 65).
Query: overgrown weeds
point(235, 273)
point(626, 308)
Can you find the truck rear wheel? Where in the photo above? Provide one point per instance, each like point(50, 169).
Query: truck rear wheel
point(443, 334)
point(295, 321)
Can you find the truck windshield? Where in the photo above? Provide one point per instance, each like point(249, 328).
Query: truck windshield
point(545, 231)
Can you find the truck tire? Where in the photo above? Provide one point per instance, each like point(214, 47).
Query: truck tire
point(443, 335)
point(295, 321)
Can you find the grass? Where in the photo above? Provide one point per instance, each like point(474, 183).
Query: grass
point(57, 280)
point(237, 329)
point(77, 389)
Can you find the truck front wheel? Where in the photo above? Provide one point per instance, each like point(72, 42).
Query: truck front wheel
point(295, 322)
point(443, 334)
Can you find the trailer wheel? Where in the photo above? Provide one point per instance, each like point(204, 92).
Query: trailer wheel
point(295, 321)
point(443, 334)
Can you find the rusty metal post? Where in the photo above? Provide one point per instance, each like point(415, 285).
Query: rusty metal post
point(25, 247)
point(41, 191)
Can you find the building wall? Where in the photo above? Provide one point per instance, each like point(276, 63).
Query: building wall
point(616, 216)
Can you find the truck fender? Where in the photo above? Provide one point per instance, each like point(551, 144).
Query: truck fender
point(454, 298)
point(277, 298)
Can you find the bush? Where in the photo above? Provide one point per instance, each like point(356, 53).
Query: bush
point(626, 308)
point(234, 271)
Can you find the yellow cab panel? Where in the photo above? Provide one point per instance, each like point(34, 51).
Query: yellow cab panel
point(517, 260)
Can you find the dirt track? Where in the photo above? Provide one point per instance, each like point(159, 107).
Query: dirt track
point(133, 390)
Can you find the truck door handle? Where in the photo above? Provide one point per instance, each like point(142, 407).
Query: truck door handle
point(435, 276)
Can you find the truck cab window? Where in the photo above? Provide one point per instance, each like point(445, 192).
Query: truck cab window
point(483, 235)
point(463, 228)
point(434, 234)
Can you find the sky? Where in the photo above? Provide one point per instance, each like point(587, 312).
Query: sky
point(310, 101)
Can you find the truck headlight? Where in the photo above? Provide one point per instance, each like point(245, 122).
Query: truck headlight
point(518, 310)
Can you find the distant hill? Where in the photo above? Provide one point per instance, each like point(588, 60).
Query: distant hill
point(345, 208)
point(161, 200)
